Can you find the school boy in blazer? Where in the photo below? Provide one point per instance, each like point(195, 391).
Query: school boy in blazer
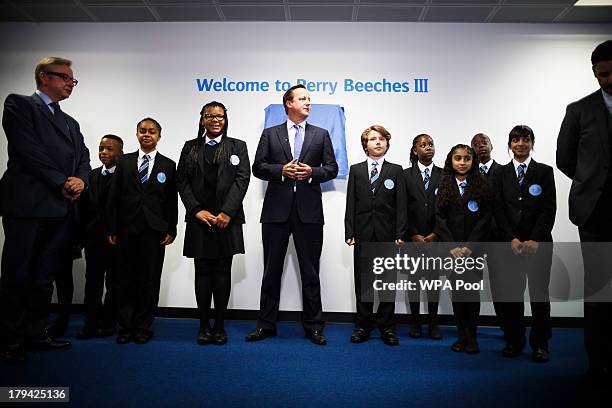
point(375, 212)
point(142, 216)
point(525, 209)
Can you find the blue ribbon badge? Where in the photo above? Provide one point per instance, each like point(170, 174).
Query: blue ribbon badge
point(472, 206)
point(535, 190)
point(161, 177)
point(389, 184)
point(235, 160)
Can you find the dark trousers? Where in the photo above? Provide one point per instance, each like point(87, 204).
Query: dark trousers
point(384, 317)
point(33, 251)
point(597, 289)
point(138, 279)
point(213, 280)
point(466, 303)
point(308, 240)
point(510, 282)
point(101, 269)
point(64, 285)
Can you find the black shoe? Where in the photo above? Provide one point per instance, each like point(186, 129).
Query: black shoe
point(512, 350)
point(471, 345)
point(124, 337)
point(316, 337)
point(220, 337)
point(59, 326)
point(204, 336)
point(14, 354)
point(86, 333)
point(106, 332)
point(48, 343)
point(389, 337)
point(415, 331)
point(540, 355)
point(459, 345)
point(360, 335)
point(260, 334)
point(143, 336)
point(434, 332)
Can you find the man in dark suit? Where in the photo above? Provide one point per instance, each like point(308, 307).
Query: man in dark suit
point(294, 158)
point(48, 163)
point(583, 153)
point(142, 213)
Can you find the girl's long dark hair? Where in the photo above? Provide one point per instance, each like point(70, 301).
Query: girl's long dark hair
point(196, 149)
point(477, 185)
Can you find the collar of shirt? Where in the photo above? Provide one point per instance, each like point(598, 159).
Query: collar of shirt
point(216, 139)
point(45, 98)
point(516, 164)
point(379, 161)
point(608, 100)
point(460, 181)
point(290, 124)
point(109, 170)
point(422, 168)
point(488, 164)
point(151, 155)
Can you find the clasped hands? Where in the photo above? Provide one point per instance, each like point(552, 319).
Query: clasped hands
point(221, 220)
point(351, 242)
point(528, 247)
point(72, 188)
point(295, 170)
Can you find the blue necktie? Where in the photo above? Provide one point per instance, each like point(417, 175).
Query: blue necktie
point(211, 142)
point(373, 175)
point(462, 187)
point(105, 172)
point(298, 141)
point(143, 170)
point(520, 171)
point(483, 169)
point(426, 179)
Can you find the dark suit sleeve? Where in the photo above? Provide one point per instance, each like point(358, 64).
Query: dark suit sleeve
point(112, 211)
point(410, 216)
point(548, 208)
point(441, 229)
point(263, 166)
point(499, 206)
point(482, 229)
point(349, 212)
point(238, 189)
point(567, 143)
point(18, 124)
point(191, 203)
point(401, 215)
point(172, 200)
point(329, 167)
point(83, 167)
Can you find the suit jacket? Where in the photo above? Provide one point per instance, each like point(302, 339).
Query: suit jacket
point(455, 222)
point(583, 153)
point(273, 152)
point(421, 204)
point(92, 206)
point(495, 234)
point(132, 206)
point(527, 212)
point(380, 214)
point(42, 155)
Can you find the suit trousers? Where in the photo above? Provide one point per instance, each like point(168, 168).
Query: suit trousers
point(34, 249)
point(308, 240)
point(138, 279)
point(101, 270)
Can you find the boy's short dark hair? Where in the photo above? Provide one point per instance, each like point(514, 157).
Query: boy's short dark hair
point(114, 137)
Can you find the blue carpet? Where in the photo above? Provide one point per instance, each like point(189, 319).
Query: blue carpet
point(289, 371)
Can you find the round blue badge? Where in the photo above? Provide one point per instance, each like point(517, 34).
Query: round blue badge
point(235, 160)
point(161, 177)
point(472, 206)
point(389, 184)
point(535, 190)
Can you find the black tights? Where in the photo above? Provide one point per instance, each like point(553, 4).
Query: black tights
point(213, 278)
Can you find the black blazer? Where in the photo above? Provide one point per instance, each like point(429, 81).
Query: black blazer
point(132, 206)
point(495, 234)
point(455, 222)
point(42, 155)
point(273, 152)
point(381, 214)
point(92, 205)
point(527, 212)
point(421, 204)
point(583, 153)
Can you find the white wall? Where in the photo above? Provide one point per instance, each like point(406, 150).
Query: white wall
point(482, 78)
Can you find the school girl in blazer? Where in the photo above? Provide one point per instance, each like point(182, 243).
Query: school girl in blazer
point(212, 178)
point(525, 213)
point(463, 215)
point(422, 180)
point(375, 212)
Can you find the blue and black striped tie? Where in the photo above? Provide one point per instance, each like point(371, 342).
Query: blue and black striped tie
point(143, 170)
point(520, 172)
point(373, 175)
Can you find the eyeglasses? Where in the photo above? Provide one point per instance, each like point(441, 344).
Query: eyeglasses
point(65, 77)
point(209, 116)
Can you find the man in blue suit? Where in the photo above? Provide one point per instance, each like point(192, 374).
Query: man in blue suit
point(294, 158)
point(47, 164)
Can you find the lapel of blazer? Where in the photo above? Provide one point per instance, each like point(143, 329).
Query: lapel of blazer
point(381, 178)
point(531, 174)
point(132, 164)
point(509, 173)
point(221, 169)
point(418, 180)
point(602, 116)
point(308, 136)
point(47, 114)
point(283, 139)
